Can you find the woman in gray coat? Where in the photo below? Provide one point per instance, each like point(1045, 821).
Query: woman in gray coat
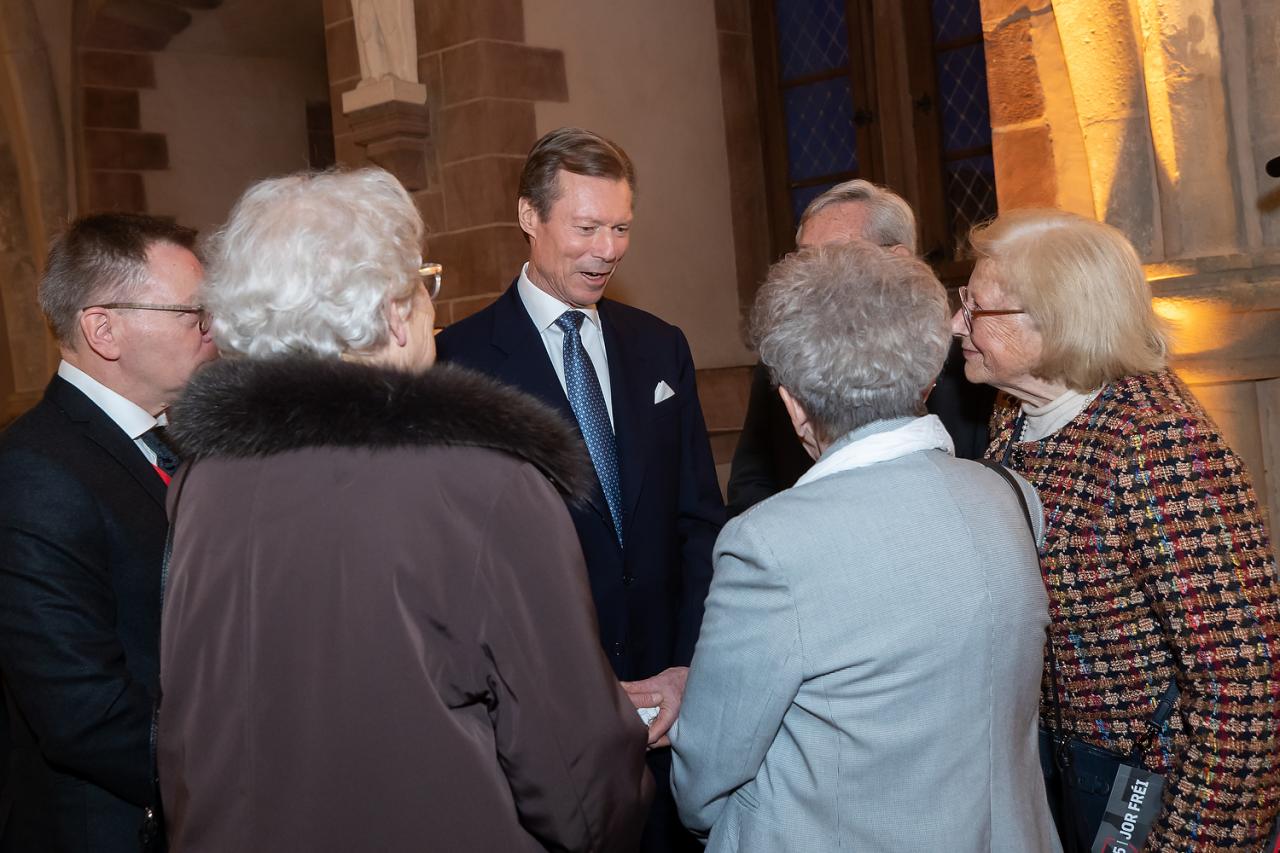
point(868, 672)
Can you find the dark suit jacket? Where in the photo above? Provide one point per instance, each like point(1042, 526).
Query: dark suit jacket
point(82, 532)
point(769, 457)
point(649, 595)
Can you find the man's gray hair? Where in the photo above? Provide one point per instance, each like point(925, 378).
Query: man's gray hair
point(890, 221)
point(855, 333)
point(101, 258)
point(306, 263)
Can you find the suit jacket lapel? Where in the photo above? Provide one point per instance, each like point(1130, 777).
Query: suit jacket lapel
point(631, 406)
point(528, 367)
point(104, 432)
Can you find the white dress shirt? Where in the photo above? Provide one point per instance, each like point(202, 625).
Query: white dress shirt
point(545, 309)
point(127, 415)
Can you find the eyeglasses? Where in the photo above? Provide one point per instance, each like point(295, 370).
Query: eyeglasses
point(431, 273)
point(971, 313)
point(202, 316)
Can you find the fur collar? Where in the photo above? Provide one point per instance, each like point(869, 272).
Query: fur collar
point(241, 407)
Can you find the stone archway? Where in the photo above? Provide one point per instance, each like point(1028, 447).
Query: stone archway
point(114, 43)
point(32, 145)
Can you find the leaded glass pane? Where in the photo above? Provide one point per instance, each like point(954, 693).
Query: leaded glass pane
point(955, 19)
point(962, 84)
point(971, 193)
point(812, 36)
point(820, 132)
point(801, 196)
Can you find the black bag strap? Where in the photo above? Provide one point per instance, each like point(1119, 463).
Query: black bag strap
point(1164, 707)
point(1017, 490)
point(151, 833)
point(1057, 737)
point(1062, 757)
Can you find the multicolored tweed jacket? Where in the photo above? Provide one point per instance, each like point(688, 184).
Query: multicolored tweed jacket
point(1159, 567)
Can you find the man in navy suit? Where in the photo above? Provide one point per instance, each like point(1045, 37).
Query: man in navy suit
point(627, 379)
point(82, 534)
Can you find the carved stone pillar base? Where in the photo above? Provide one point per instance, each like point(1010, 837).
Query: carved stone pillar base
point(394, 134)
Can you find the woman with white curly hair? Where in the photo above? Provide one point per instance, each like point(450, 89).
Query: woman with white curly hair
point(377, 631)
point(868, 670)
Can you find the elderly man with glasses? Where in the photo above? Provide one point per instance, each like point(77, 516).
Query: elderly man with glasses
point(83, 477)
point(768, 458)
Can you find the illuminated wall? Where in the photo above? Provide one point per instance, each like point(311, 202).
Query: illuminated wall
point(1158, 117)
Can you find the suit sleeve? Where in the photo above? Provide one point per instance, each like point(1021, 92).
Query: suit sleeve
point(752, 477)
point(60, 655)
point(733, 705)
point(701, 509)
point(569, 741)
point(1199, 546)
point(963, 407)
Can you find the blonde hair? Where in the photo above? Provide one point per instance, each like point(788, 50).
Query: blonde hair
point(1082, 284)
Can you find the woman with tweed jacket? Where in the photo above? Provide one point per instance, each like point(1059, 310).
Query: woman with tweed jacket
point(1157, 561)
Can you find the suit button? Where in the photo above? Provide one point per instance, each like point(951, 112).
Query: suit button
point(617, 649)
point(627, 579)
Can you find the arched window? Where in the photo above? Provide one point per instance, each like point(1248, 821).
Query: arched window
point(894, 92)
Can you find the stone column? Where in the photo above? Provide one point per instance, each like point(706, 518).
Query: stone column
point(1102, 46)
point(1177, 108)
point(1182, 66)
point(1251, 30)
point(33, 208)
point(1039, 149)
point(482, 82)
point(387, 109)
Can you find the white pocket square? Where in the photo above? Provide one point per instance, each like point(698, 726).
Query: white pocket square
point(662, 391)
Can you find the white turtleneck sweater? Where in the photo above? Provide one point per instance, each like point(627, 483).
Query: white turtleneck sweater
point(1045, 420)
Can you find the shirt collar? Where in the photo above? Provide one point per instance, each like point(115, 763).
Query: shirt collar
point(126, 414)
point(544, 308)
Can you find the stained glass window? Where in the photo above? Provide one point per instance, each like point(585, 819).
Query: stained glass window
point(817, 96)
point(813, 37)
point(827, 55)
point(968, 167)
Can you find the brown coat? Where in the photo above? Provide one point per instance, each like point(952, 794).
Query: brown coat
point(377, 631)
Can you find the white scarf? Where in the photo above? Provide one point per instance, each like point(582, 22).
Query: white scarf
point(926, 433)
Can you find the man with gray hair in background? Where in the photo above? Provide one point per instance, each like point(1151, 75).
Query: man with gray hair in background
point(769, 458)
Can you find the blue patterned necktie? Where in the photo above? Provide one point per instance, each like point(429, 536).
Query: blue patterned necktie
point(587, 402)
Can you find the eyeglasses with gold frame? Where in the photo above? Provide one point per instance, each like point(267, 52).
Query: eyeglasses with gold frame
point(431, 274)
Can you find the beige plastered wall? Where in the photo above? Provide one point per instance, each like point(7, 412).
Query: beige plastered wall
point(232, 116)
point(647, 76)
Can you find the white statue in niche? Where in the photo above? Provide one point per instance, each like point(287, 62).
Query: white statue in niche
point(386, 39)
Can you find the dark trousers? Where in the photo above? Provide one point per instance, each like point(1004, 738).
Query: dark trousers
point(663, 832)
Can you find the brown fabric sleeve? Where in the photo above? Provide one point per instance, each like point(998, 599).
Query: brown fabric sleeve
point(568, 739)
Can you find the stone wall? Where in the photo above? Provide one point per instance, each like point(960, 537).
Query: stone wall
point(33, 201)
point(1158, 117)
point(672, 82)
point(482, 81)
